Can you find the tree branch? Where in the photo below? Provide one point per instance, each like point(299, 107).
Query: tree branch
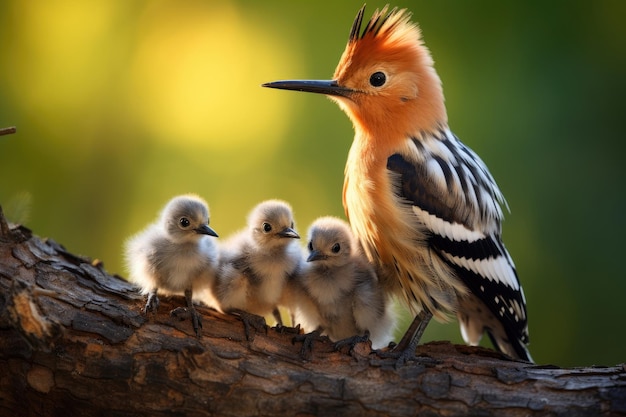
point(7, 130)
point(73, 341)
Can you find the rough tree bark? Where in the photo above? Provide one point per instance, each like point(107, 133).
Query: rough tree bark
point(73, 341)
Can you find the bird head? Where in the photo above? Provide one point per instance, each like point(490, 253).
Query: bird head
point(272, 224)
point(385, 80)
point(186, 218)
point(330, 242)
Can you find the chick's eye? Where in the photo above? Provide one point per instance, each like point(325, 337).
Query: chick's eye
point(267, 227)
point(310, 246)
point(336, 248)
point(378, 79)
point(184, 222)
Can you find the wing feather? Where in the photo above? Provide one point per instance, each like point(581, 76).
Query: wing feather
point(458, 201)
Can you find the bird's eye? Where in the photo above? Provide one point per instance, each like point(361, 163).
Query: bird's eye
point(310, 246)
point(336, 248)
point(378, 79)
point(267, 227)
point(184, 222)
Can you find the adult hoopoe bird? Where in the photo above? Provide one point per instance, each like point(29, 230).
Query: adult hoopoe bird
point(423, 205)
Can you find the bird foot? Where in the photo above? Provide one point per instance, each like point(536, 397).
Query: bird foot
point(403, 356)
point(352, 342)
point(282, 329)
point(251, 321)
point(277, 317)
point(183, 313)
point(308, 340)
point(404, 351)
point(152, 304)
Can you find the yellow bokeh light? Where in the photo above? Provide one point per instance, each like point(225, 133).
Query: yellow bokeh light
point(61, 66)
point(197, 74)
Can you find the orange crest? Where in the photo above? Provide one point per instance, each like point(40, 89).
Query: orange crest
point(392, 45)
point(385, 34)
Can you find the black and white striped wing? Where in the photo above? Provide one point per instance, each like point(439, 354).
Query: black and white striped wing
point(455, 197)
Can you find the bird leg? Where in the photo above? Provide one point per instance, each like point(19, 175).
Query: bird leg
point(250, 321)
point(153, 302)
point(196, 320)
point(415, 331)
point(277, 317)
point(352, 341)
point(307, 341)
point(181, 312)
point(405, 350)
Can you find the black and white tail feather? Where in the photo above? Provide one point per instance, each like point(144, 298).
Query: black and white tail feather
point(457, 200)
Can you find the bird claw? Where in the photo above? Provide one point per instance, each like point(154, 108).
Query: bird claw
point(401, 357)
point(404, 351)
point(182, 313)
point(196, 321)
point(404, 356)
point(307, 342)
point(251, 321)
point(282, 329)
point(152, 304)
point(352, 342)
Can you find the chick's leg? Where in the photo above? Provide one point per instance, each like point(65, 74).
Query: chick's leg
point(153, 302)
point(181, 312)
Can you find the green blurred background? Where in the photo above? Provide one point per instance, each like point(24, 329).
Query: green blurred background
point(120, 105)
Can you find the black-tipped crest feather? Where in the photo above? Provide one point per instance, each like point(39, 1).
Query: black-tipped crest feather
point(356, 26)
point(375, 24)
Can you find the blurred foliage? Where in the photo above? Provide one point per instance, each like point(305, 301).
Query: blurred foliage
point(122, 105)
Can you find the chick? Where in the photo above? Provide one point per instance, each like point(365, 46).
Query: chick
point(344, 287)
point(174, 255)
point(256, 263)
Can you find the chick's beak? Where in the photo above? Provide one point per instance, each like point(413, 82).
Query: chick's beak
point(206, 230)
point(328, 87)
point(288, 232)
point(315, 255)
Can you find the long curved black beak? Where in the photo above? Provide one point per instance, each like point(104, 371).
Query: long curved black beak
point(328, 87)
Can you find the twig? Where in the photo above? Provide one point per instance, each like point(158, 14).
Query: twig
point(7, 130)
